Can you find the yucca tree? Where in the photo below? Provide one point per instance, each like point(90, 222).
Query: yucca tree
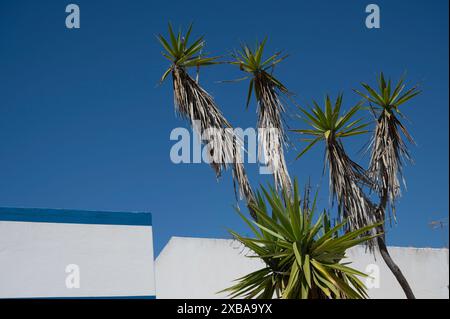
point(346, 178)
point(389, 148)
point(267, 91)
point(304, 258)
point(195, 104)
point(388, 152)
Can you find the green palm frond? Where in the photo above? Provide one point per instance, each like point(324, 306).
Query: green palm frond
point(303, 255)
point(251, 61)
point(182, 53)
point(328, 123)
point(386, 96)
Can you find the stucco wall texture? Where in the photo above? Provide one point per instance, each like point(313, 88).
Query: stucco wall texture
point(200, 267)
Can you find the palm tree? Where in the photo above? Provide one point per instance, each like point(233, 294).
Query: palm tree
point(267, 90)
point(346, 177)
point(195, 104)
point(389, 150)
point(303, 257)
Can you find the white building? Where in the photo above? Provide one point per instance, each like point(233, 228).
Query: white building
point(200, 267)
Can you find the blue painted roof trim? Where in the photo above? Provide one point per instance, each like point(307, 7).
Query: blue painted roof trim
point(68, 216)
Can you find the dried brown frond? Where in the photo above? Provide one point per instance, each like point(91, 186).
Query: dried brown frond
point(388, 153)
point(346, 180)
point(272, 137)
point(195, 104)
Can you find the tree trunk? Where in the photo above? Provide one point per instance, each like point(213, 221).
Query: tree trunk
point(381, 240)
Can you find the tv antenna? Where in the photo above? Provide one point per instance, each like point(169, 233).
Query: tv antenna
point(440, 224)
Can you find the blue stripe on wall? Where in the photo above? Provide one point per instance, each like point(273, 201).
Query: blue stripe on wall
point(67, 216)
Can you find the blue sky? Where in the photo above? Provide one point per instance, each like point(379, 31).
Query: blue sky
point(84, 125)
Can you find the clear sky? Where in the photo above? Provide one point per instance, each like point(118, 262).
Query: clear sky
point(84, 125)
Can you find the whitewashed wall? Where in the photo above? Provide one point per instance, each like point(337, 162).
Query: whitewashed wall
point(200, 267)
point(113, 253)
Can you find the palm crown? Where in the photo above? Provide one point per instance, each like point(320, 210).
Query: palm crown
point(388, 98)
point(251, 61)
point(329, 123)
point(182, 54)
